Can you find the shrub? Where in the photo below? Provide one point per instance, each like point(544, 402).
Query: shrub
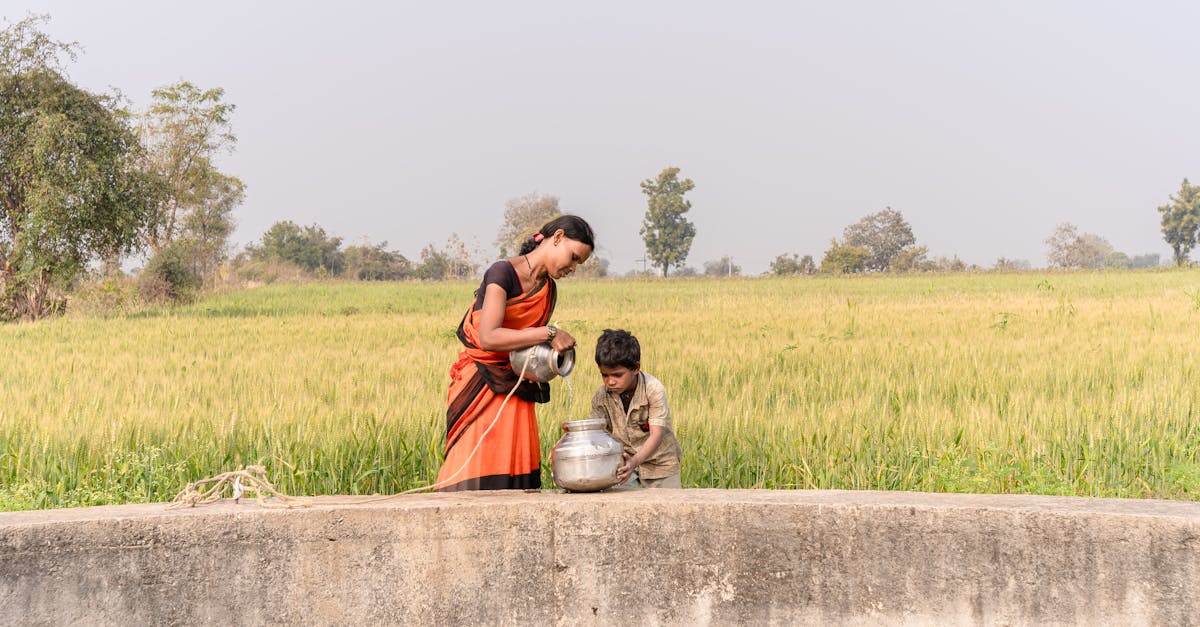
point(170, 275)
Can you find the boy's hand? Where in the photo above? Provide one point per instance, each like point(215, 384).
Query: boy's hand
point(625, 470)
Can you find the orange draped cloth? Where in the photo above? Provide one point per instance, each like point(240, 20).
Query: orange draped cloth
point(510, 458)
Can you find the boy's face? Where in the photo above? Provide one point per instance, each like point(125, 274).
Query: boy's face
point(619, 379)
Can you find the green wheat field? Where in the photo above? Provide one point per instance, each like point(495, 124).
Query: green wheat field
point(1071, 384)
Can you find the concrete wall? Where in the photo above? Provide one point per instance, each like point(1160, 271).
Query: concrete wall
point(670, 557)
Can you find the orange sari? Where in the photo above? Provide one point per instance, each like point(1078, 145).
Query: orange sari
point(510, 458)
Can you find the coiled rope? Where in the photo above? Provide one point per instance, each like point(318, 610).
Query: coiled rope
point(251, 479)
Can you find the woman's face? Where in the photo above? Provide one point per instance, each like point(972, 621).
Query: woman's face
point(565, 254)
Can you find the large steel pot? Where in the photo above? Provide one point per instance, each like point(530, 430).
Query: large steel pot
point(586, 458)
point(542, 363)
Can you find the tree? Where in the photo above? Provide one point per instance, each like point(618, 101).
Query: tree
point(1092, 250)
point(170, 275)
point(793, 264)
point(1149, 260)
point(666, 232)
point(1181, 220)
point(368, 262)
point(1122, 261)
point(207, 227)
point(883, 234)
point(183, 130)
point(1059, 245)
point(434, 266)
point(1118, 260)
point(1068, 248)
point(71, 191)
point(522, 218)
point(1004, 264)
point(452, 261)
point(844, 258)
point(308, 247)
point(910, 259)
point(722, 267)
point(947, 264)
point(462, 261)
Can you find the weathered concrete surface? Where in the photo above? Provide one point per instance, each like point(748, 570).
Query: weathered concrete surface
point(673, 557)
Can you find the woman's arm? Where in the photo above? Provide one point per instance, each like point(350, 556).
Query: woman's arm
point(494, 337)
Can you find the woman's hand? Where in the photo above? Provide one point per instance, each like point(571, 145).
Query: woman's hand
point(562, 341)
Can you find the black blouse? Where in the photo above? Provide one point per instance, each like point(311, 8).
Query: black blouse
point(501, 273)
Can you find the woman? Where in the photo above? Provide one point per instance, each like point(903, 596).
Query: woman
point(512, 310)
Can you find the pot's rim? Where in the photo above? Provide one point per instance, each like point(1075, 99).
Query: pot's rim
point(584, 425)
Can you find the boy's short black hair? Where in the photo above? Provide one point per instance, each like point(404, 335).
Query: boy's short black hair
point(618, 348)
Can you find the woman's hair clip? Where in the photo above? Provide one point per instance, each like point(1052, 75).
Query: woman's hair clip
point(538, 237)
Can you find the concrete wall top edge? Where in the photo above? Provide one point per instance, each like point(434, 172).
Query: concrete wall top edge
point(700, 497)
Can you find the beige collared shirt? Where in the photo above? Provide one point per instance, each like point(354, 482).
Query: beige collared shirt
point(649, 407)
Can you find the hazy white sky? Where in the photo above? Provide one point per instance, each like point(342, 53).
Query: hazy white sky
point(985, 123)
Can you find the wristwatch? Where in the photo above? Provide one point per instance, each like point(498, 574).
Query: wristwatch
point(551, 331)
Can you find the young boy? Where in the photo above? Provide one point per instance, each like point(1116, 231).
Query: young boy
point(634, 404)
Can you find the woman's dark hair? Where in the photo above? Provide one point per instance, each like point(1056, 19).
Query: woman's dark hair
point(618, 348)
point(574, 227)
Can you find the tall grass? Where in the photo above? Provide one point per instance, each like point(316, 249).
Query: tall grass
point(1021, 383)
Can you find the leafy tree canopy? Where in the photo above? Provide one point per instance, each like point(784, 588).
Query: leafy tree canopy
point(374, 262)
point(910, 259)
point(184, 129)
point(71, 190)
point(522, 218)
point(884, 234)
point(722, 267)
point(1068, 248)
point(452, 261)
point(1004, 264)
point(1180, 221)
point(308, 247)
point(843, 258)
point(667, 233)
point(793, 264)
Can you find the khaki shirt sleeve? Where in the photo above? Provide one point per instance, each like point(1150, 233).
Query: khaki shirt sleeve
point(660, 413)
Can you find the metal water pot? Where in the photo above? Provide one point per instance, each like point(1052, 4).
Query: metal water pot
point(542, 363)
point(586, 458)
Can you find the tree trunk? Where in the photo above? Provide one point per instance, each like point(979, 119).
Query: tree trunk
point(29, 300)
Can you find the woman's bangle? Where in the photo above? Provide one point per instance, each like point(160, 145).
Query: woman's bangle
point(551, 331)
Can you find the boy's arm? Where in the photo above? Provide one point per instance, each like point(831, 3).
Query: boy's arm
point(660, 420)
point(648, 448)
point(660, 413)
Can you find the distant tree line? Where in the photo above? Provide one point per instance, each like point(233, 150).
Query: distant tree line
point(879, 242)
point(884, 242)
point(287, 247)
point(85, 183)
